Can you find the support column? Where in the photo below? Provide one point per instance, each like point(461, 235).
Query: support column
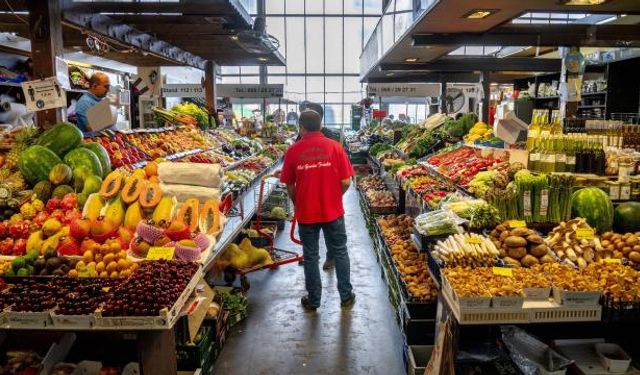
point(443, 95)
point(45, 31)
point(210, 91)
point(485, 81)
point(260, 7)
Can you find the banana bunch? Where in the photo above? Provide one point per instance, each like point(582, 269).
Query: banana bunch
point(479, 131)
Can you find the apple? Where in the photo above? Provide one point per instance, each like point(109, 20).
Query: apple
point(52, 204)
point(69, 201)
point(4, 231)
point(68, 246)
point(6, 246)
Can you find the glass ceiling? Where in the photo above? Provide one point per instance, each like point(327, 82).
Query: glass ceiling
point(536, 18)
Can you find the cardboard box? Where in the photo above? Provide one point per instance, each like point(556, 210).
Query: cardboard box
point(613, 358)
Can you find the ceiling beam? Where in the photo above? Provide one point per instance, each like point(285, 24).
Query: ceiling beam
point(540, 35)
point(474, 64)
point(128, 36)
point(426, 77)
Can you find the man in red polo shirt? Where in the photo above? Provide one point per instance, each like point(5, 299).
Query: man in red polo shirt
point(317, 173)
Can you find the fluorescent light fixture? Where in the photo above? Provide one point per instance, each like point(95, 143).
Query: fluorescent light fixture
point(410, 59)
point(233, 37)
point(390, 74)
point(478, 14)
point(607, 20)
point(263, 59)
point(583, 2)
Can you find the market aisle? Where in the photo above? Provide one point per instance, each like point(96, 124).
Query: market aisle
point(278, 337)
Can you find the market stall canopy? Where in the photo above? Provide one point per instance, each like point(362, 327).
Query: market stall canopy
point(185, 32)
point(506, 36)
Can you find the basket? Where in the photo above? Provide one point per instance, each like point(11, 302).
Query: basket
point(278, 197)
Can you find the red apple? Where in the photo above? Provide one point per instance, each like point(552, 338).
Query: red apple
point(3, 230)
point(68, 246)
point(6, 247)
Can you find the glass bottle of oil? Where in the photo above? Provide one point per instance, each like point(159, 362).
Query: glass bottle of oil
point(560, 155)
point(533, 133)
point(570, 165)
point(534, 155)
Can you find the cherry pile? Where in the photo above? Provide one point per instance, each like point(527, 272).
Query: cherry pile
point(86, 297)
point(153, 287)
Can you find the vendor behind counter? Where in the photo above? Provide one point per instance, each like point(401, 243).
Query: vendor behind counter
point(97, 91)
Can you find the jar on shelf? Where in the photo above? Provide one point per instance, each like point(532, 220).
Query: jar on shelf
point(626, 167)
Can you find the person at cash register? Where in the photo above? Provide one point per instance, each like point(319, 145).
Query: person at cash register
point(97, 91)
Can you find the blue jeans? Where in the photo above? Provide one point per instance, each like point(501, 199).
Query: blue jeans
point(335, 237)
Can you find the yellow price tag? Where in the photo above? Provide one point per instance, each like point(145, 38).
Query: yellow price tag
point(585, 234)
point(517, 224)
point(502, 271)
point(612, 260)
point(473, 240)
point(106, 289)
point(157, 253)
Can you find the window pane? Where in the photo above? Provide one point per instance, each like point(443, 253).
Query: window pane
point(249, 70)
point(333, 44)
point(353, 6)
point(274, 6)
point(295, 6)
point(315, 89)
point(230, 70)
point(333, 6)
point(333, 114)
point(333, 89)
point(369, 25)
point(275, 27)
point(230, 79)
point(403, 5)
point(352, 44)
point(276, 70)
point(315, 46)
point(314, 6)
point(251, 79)
point(294, 88)
point(295, 44)
point(373, 6)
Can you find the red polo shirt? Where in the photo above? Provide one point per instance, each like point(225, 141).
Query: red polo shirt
point(316, 165)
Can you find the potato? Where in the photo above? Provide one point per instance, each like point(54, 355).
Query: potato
point(631, 241)
point(611, 247)
point(636, 248)
point(520, 232)
point(606, 236)
point(547, 259)
point(529, 260)
point(605, 243)
point(501, 228)
point(495, 233)
point(619, 244)
point(502, 252)
point(626, 250)
point(539, 250)
point(517, 252)
point(504, 235)
point(634, 256)
point(618, 255)
point(512, 262)
point(534, 238)
point(514, 241)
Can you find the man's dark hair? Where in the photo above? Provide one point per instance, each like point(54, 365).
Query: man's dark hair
point(310, 120)
point(314, 106)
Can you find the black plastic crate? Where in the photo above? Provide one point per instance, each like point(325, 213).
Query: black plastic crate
point(420, 310)
point(192, 357)
point(420, 331)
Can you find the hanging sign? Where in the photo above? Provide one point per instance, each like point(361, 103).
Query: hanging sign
point(250, 90)
point(44, 94)
point(183, 90)
point(403, 89)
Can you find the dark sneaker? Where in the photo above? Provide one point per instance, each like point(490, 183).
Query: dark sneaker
point(328, 265)
point(307, 305)
point(349, 301)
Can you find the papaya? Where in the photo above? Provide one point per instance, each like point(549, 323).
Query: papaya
point(132, 188)
point(210, 217)
point(150, 195)
point(111, 185)
point(163, 211)
point(188, 214)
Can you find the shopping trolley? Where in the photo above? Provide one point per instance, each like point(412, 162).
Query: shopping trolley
point(278, 256)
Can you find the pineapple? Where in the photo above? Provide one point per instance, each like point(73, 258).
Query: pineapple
point(17, 181)
point(5, 172)
point(11, 161)
point(23, 139)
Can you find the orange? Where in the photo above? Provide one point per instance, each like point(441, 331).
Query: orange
point(104, 274)
point(98, 257)
point(81, 265)
point(122, 254)
point(111, 267)
point(108, 258)
point(73, 273)
point(114, 275)
point(101, 266)
point(122, 264)
point(114, 247)
point(87, 256)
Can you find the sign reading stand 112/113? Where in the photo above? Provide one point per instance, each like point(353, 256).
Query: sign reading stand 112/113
point(44, 94)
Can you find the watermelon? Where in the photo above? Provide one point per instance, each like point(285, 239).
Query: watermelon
point(594, 205)
point(626, 218)
point(102, 155)
point(35, 163)
point(61, 138)
point(83, 157)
